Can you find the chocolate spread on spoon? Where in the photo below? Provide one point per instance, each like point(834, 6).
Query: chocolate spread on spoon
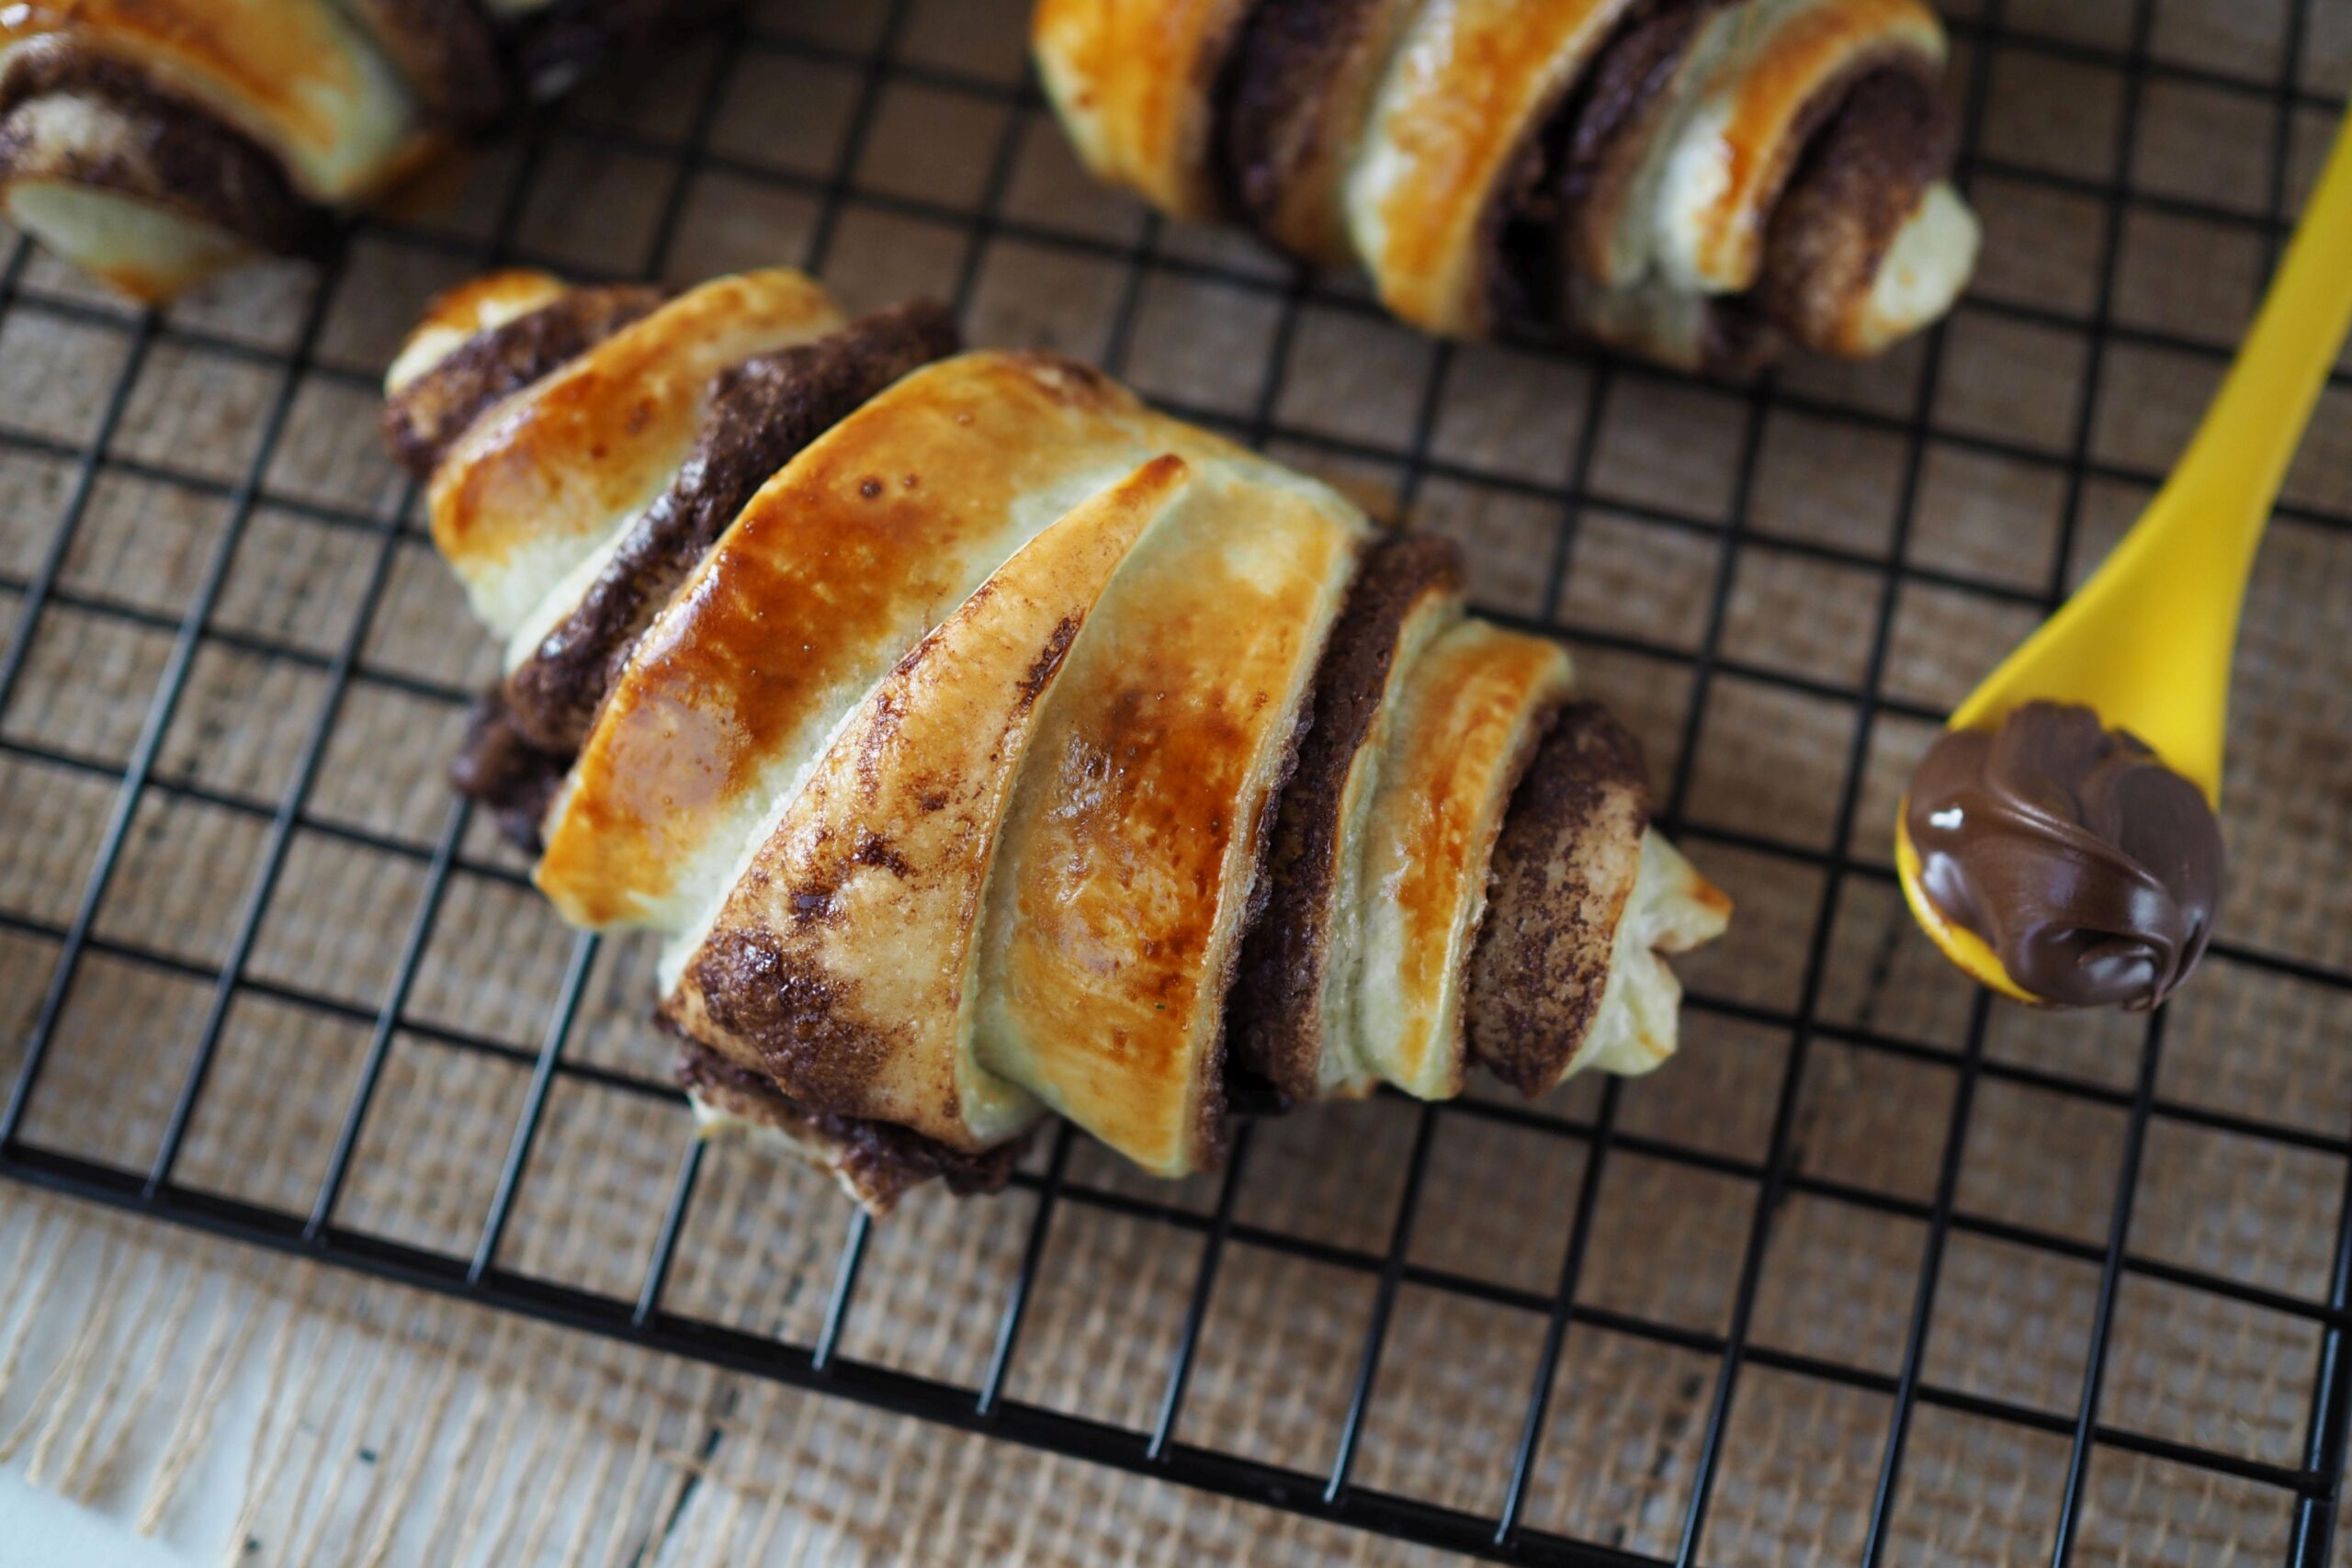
point(2090, 868)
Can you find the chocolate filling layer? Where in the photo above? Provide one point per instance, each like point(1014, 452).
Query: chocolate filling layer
point(176, 155)
point(1857, 185)
point(1522, 219)
point(1275, 100)
point(1592, 149)
point(879, 1159)
point(809, 1039)
point(448, 53)
point(1556, 886)
point(498, 768)
point(1600, 148)
point(555, 44)
point(1570, 179)
point(1212, 1127)
point(763, 412)
point(1274, 1014)
point(425, 418)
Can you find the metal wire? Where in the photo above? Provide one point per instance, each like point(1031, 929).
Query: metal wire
point(2310, 1489)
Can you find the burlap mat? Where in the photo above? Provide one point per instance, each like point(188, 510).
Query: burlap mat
point(406, 1429)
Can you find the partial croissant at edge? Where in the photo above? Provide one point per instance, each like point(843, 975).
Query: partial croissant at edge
point(1694, 181)
point(154, 143)
point(986, 745)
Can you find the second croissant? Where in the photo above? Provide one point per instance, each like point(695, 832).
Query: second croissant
point(1694, 181)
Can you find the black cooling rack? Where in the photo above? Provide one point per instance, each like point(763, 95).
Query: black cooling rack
point(2309, 1490)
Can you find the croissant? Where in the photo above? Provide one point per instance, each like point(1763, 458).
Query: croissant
point(153, 142)
point(985, 744)
point(1694, 181)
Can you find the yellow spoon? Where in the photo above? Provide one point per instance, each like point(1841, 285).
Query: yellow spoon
point(2147, 640)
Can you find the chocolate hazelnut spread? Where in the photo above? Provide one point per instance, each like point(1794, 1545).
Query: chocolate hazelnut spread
point(2091, 869)
point(880, 1160)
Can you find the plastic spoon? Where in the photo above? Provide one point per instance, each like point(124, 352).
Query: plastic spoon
point(2148, 641)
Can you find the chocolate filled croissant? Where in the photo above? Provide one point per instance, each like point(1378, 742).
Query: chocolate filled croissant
point(985, 744)
point(153, 142)
point(1694, 181)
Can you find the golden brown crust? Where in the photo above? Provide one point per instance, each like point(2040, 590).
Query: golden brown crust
point(763, 413)
point(882, 525)
point(521, 499)
point(1446, 155)
point(1780, 105)
point(895, 833)
point(257, 121)
point(1136, 85)
point(1608, 166)
point(1129, 860)
point(456, 314)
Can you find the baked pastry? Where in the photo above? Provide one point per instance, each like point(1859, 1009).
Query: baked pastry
point(1690, 180)
point(985, 744)
point(153, 142)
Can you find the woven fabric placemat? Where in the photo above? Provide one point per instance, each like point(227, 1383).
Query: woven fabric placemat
point(1717, 559)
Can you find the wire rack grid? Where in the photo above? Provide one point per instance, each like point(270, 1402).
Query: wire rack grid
point(904, 149)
